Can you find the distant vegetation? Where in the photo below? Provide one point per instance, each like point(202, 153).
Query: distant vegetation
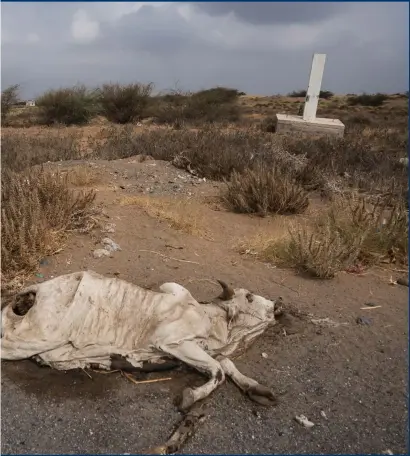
point(367, 99)
point(324, 94)
point(124, 103)
point(9, 97)
point(69, 106)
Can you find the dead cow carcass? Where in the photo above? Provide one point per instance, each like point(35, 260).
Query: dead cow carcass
point(84, 319)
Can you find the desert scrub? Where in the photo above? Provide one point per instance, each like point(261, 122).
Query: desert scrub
point(368, 99)
point(20, 150)
point(68, 106)
point(38, 210)
point(351, 231)
point(264, 190)
point(9, 97)
point(218, 104)
point(124, 103)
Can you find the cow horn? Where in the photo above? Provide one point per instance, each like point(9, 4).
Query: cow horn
point(227, 293)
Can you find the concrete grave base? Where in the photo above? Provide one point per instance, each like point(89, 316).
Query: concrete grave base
point(286, 123)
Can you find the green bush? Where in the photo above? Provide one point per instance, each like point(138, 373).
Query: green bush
point(68, 106)
point(325, 94)
point(367, 99)
point(217, 95)
point(125, 103)
point(297, 94)
point(9, 97)
point(206, 106)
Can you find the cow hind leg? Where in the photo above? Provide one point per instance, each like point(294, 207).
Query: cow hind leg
point(258, 393)
point(191, 354)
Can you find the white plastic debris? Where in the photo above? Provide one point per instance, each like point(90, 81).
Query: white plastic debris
point(110, 245)
point(301, 419)
point(99, 253)
point(264, 355)
point(323, 414)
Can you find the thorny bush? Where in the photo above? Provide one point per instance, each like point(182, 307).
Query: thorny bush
point(264, 190)
point(68, 106)
point(351, 232)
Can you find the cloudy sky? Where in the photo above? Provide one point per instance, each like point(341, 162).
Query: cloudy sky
point(260, 48)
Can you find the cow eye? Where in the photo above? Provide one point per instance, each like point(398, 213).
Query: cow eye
point(249, 297)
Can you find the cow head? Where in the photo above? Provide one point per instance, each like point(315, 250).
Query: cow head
point(241, 301)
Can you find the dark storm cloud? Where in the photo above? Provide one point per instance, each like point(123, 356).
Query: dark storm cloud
point(262, 49)
point(273, 13)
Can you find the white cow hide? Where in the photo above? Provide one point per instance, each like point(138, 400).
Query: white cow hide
point(84, 318)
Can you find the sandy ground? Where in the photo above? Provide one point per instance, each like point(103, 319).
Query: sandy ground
point(349, 379)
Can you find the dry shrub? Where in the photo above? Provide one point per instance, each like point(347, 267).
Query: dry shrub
point(268, 125)
point(20, 150)
point(368, 158)
point(116, 142)
point(124, 103)
point(82, 176)
point(38, 209)
point(264, 190)
point(23, 117)
point(181, 215)
point(351, 231)
point(211, 152)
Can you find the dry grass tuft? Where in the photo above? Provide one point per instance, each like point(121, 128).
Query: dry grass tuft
point(181, 215)
point(351, 231)
point(21, 150)
point(265, 190)
point(83, 176)
point(38, 209)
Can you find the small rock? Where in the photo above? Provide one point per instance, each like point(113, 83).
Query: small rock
point(403, 281)
point(256, 413)
point(264, 355)
point(99, 253)
point(387, 452)
point(110, 245)
point(363, 321)
point(301, 419)
point(323, 414)
point(109, 228)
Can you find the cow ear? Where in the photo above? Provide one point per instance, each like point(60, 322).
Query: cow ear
point(249, 297)
point(227, 291)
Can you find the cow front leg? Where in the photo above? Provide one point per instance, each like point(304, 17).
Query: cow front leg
point(190, 353)
point(258, 393)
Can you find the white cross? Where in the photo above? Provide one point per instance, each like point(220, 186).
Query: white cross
point(313, 91)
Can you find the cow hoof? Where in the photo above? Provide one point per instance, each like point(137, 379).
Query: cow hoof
point(262, 395)
point(187, 399)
